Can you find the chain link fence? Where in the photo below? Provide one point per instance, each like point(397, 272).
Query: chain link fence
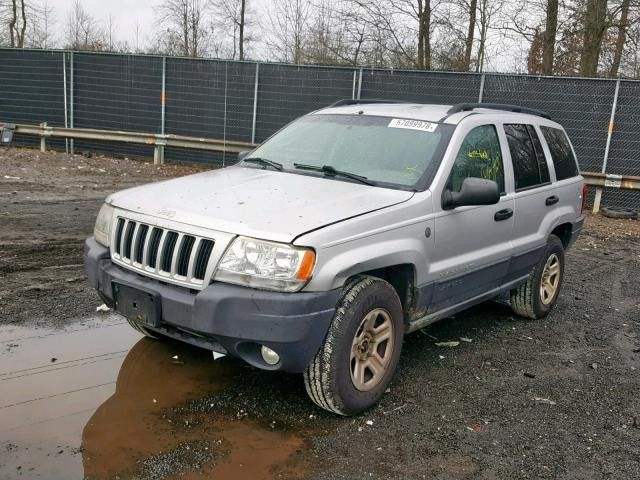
point(250, 101)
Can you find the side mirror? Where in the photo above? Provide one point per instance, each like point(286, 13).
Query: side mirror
point(474, 191)
point(243, 154)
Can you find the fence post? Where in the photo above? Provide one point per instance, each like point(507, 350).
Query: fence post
point(158, 152)
point(64, 97)
point(71, 99)
point(359, 85)
point(598, 197)
point(353, 88)
point(481, 93)
point(255, 104)
point(43, 139)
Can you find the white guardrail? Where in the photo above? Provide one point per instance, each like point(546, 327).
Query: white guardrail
point(159, 142)
point(607, 180)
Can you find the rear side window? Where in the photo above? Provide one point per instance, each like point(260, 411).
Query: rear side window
point(529, 166)
point(564, 161)
point(480, 157)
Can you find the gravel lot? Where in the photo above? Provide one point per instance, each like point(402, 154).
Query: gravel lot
point(556, 398)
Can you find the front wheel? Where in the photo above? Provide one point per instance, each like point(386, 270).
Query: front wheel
point(355, 364)
point(535, 298)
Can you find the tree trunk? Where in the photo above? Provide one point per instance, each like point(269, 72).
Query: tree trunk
point(24, 25)
point(472, 28)
point(621, 39)
point(241, 34)
point(426, 32)
point(185, 29)
point(549, 43)
point(420, 59)
point(12, 23)
point(594, 28)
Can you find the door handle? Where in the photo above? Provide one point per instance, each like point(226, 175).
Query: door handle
point(552, 200)
point(503, 214)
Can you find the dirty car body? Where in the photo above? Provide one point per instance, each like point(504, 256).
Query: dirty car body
point(257, 260)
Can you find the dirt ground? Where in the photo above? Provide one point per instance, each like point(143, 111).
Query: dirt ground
point(81, 395)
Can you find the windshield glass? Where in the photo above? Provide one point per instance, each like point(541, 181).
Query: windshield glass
point(387, 151)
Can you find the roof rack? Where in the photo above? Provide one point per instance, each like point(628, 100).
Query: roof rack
point(361, 101)
point(467, 107)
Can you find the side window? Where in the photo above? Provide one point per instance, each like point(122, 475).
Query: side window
point(529, 166)
point(479, 156)
point(564, 161)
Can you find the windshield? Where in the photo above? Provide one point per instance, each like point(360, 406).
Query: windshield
point(386, 151)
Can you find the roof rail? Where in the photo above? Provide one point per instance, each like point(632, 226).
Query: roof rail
point(361, 101)
point(467, 107)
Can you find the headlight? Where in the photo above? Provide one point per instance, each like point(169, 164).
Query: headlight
point(102, 230)
point(268, 265)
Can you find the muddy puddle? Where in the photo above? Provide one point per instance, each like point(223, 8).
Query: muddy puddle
point(97, 400)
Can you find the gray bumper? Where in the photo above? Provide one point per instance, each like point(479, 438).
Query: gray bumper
point(236, 318)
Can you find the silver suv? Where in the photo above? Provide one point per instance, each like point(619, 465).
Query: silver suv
point(347, 229)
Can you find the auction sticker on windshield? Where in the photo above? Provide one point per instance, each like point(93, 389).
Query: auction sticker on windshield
point(412, 124)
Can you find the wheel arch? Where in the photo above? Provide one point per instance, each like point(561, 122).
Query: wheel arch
point(401, 276)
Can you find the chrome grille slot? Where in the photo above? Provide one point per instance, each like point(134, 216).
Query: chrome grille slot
point(167, 251)
point(128, 237)
point(140, 242)
point(202, 259)
point(119, 227)
point(184, 254)
point(154, 245)
point(162, 253)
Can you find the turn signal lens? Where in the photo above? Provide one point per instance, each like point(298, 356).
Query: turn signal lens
point(306, 266)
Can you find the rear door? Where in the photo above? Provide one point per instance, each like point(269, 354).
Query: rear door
point(473, 243)
point(535, 197)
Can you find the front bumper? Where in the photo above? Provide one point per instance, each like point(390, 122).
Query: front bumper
point(226, 318)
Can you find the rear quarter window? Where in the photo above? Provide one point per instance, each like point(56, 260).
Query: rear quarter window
point(564, 161)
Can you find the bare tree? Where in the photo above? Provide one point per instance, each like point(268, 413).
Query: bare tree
point(184, 28)
point(595, 26)
point(289, 20)
point(549, 39)
point(621, 37)
point(83, 32)
point(234, 16)
point(15, 14)
point(41, 34)
point(488, 11)
point(468, 47)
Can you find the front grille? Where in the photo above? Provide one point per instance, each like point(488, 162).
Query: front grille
point(163, 252)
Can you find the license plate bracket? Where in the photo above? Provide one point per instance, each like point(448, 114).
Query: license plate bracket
point(137, 305)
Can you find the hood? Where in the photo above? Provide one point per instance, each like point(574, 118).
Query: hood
point(259, 203)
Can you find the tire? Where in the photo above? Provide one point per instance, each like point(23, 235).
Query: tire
point(365, 336)
point(619, 212)
point(142, 330)
point(529, 300)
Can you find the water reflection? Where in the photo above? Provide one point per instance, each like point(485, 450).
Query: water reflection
point(139, 431)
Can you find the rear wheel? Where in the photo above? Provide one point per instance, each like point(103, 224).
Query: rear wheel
point(535, 298)
point(355, 364)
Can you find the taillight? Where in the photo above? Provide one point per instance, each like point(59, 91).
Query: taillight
point(585, 187)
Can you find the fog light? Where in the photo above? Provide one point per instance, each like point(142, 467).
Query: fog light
point(269, 356)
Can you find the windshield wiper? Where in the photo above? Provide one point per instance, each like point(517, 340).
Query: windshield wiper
point(264, 162)
point(332, 172)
